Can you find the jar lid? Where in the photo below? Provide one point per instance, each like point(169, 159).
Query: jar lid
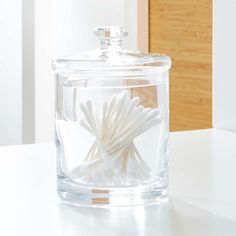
point(111, 54)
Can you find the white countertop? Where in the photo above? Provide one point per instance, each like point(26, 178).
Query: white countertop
point(202, 194)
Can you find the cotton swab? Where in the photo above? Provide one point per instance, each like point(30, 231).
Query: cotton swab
point(113, 157)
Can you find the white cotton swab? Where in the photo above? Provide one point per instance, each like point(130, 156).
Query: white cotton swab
point(114, 153)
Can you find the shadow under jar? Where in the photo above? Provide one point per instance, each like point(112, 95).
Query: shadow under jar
point(112, 124)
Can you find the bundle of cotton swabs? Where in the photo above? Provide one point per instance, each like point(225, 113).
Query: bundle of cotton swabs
point(113, 158)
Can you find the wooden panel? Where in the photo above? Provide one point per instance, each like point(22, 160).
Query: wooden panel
point(183, 30)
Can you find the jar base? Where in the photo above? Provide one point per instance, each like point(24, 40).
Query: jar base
point(113, 196)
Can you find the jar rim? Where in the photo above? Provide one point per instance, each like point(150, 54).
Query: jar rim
point(155, 62)
point(128, 71)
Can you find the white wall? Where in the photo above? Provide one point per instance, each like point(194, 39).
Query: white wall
point(131, 23)
point(76, 19)
point(44, 81)
point(33, 33)
point(224, 64)
point(71, 33)
point(10, 72)
point(28, 71)
point(61, 28)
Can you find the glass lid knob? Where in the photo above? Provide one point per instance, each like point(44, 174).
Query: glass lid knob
point(110, 36)
point(110, 32)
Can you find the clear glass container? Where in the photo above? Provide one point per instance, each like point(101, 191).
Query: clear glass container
point(112, 121)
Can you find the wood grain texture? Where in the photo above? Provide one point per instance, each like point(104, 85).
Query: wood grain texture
point(183, 30)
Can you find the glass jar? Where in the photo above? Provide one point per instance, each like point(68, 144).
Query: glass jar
point(112, 121)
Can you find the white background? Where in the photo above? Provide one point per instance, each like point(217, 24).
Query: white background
point(224, 64)
point(75, 21)
point(49, 29)
point(10, 72)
